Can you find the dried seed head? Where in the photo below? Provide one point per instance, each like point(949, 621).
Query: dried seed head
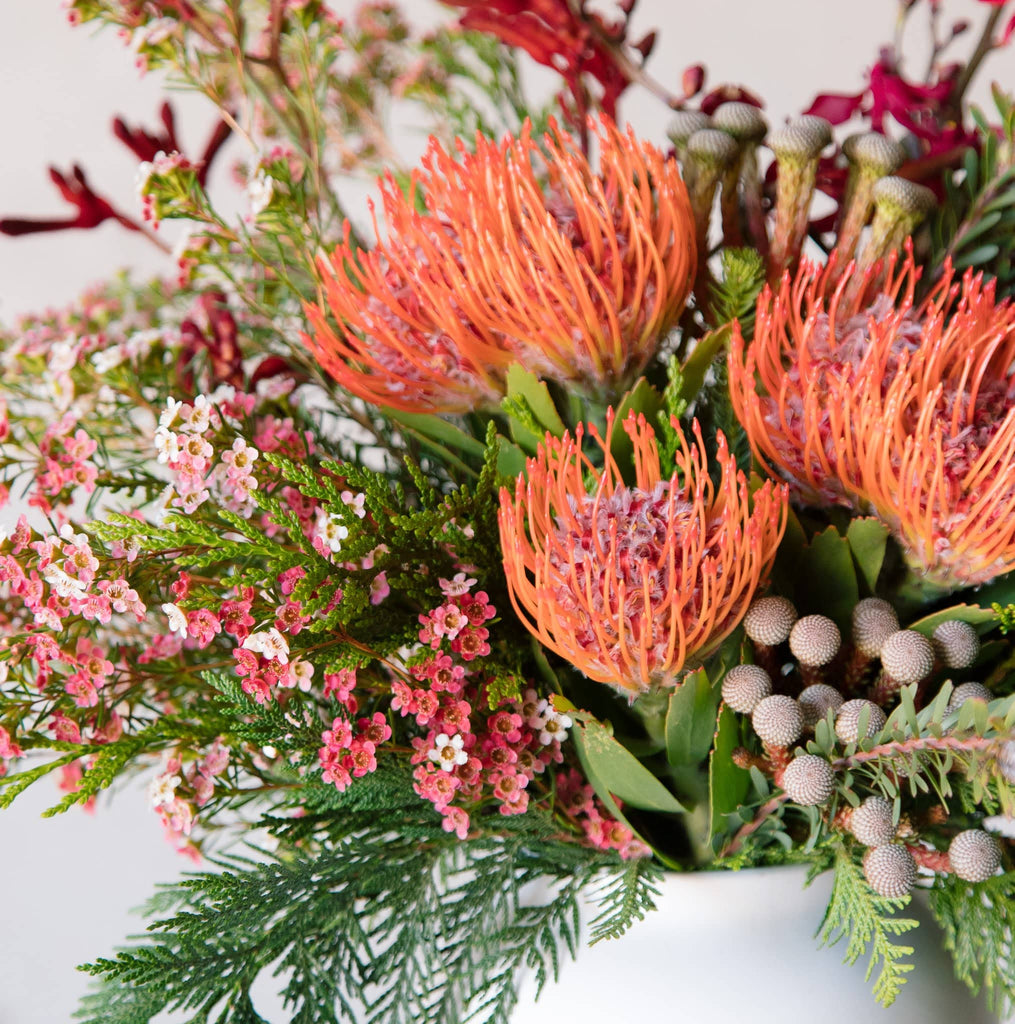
point(956, 643)
point(903, 198)
point(711, 148)
point(816, 701)
point(741, 120)
point(745, 686)
point(769, 620)
point(968, 691)
point(801, 140)
point(778, 720)
point(975, 855)
point(684, 124)
point(907, 656)
point(877, 154)
point(873, 822)
point(814, 640)
point(874, 621)
point(808, 780)
point(890, 870)
point(847, 721)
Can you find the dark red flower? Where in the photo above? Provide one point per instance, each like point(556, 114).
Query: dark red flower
point(564, 36)
point(92, 209)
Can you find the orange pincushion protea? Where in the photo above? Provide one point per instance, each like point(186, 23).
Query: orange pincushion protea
point(629, 583)
point(907, 412)
point(524, 254)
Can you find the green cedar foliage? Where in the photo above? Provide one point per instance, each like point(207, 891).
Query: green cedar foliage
point(868, 923)
point(977, 920)
point(374, 915)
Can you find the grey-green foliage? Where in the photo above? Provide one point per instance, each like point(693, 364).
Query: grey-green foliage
point(376, 916)
point(975, 226)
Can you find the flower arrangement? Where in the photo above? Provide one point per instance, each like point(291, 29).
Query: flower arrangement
point(594, 507)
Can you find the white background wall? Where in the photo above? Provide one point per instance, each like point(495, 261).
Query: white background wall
point(67, 884)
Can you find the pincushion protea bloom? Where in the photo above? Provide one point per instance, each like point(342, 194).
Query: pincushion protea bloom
point(629, 583)
point(524, 254)
point(901, 410)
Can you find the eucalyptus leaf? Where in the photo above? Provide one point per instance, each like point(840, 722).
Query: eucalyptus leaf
point(868, 538)
point(727, 782)
point(690, 720)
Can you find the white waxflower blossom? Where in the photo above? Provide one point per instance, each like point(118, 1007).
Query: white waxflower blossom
point(63, 584)
point(260, 189)
point(167, 444)
point(171, 411)
point(162, 791)
point(552, 724)
point(331, 531)
point(270, 643)
point(447, 751)
point(108, 358)
point(200, 415)
point(177, 618)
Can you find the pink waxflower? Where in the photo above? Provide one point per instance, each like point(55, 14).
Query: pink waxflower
point(455, 820)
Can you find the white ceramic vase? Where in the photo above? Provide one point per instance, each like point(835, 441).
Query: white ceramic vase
point(730, 946)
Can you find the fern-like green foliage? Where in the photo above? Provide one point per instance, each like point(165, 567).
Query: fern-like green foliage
point(978, 920)
point(868, 923)
point(735, 294)
point(975, 226)
point(376, 915)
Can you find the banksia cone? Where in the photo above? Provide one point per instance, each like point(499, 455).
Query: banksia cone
point(906, 657)
point(768, 623)
point(745, 686)
point(815, 641)
point(769, 620)
point(579, 279)
point(968, 691)
point(873, 822)
point(874, 621)
point(816, 701)
point(744, 123)
point(907, 412)
point(808, 780)
point(974, 855)
point(956, 643)
point(630, 582)
point(847, 721)
point(778, 720)
point(871, 157)
point(797, 149)
point(900, 206)
point(890, 870)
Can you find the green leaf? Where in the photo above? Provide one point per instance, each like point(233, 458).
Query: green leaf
point(643, 398)
point(510, 459)
point(613, 771)
point(697, 363)
point(827, 578)
point(437, 432)
point(971, 613)
point(868, 538)
point(727, 783)
point(530, 408)
point(690, 720)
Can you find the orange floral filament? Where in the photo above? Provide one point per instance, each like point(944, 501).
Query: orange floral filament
point(524, 254)
point(902, 411)
point(629, 583)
